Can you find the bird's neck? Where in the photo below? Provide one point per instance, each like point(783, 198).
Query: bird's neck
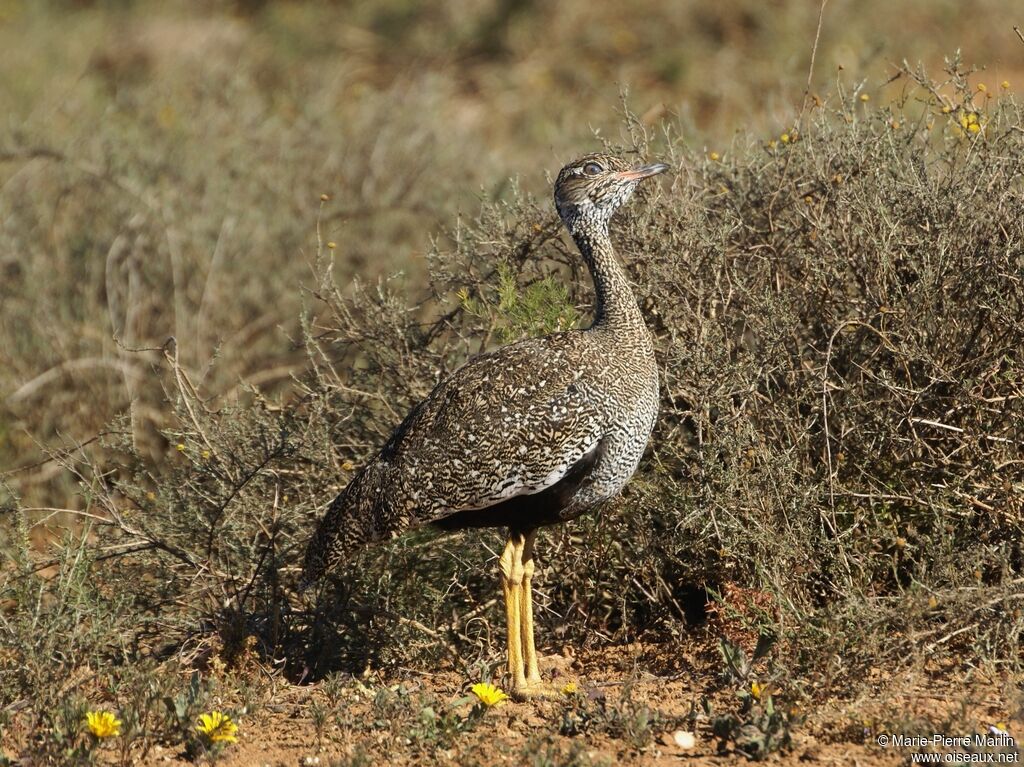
point(615, 306)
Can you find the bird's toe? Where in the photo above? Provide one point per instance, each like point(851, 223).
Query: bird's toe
point(534, 691)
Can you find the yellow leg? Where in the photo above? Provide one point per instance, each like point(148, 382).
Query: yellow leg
point(511, 564)
point(526, 612)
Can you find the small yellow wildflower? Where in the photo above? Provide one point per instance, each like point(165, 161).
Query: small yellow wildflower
point(347, 466)
point(167, 116)
point(332, 245)
point(1005, 85)
point(932, 603)
point(756, 690)
point(537, 228)
point(571, 688)
point(808, 199)
point(324, 197)
point(772, 144)
point(217, 727)
point(713, 156)
point(180, 447)
point(982, 88)
point(103, 724)
point(967, 119)
point(784, 138)
point(205, 454)
point(488, 694)
point(865, 97)
point(895, 124)
point(150, 496)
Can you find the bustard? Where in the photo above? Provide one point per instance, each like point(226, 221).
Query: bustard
point(534, 433)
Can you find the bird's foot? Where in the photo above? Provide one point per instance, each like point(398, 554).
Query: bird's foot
point(533, 691)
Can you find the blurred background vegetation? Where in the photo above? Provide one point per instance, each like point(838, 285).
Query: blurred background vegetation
point(161, 163)
point(327, 205)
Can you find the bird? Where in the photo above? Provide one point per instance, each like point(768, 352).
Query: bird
point(532, 434)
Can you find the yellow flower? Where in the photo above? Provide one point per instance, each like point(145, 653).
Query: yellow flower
point(946, 109)
point(347, 466)
point(713, 156)
point(865, 97)
point(1005, 85)
point(332, 245)
point(206, 454)
point(756, 690)
point(180, 447)
point(103, 724)
point(488, 694)
point(571, 688)
point(217, 727)
point(784, 138)
point(982, 88)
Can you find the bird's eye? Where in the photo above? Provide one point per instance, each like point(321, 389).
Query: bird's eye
point(592, 168)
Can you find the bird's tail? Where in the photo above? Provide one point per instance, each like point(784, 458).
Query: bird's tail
point(359, 515)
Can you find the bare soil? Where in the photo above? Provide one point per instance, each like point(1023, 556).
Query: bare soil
point(670, 679)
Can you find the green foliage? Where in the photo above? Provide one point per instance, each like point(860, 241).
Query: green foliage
point(542, 307)
point(182, 711)
point(545, 752)
point(624, 718)
point(756, 730)
point(759, 727)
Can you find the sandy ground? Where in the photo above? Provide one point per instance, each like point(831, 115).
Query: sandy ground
point(670, 679)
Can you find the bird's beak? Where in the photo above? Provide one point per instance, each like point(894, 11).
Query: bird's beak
point(644, 171)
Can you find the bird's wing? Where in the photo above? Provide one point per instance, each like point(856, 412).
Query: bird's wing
point(509, 423)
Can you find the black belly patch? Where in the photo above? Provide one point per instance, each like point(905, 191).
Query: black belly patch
point(525, 512)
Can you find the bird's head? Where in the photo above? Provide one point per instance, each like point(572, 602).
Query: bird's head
point(589, 190)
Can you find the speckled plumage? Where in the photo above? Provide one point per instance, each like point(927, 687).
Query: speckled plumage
point(533, 433)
